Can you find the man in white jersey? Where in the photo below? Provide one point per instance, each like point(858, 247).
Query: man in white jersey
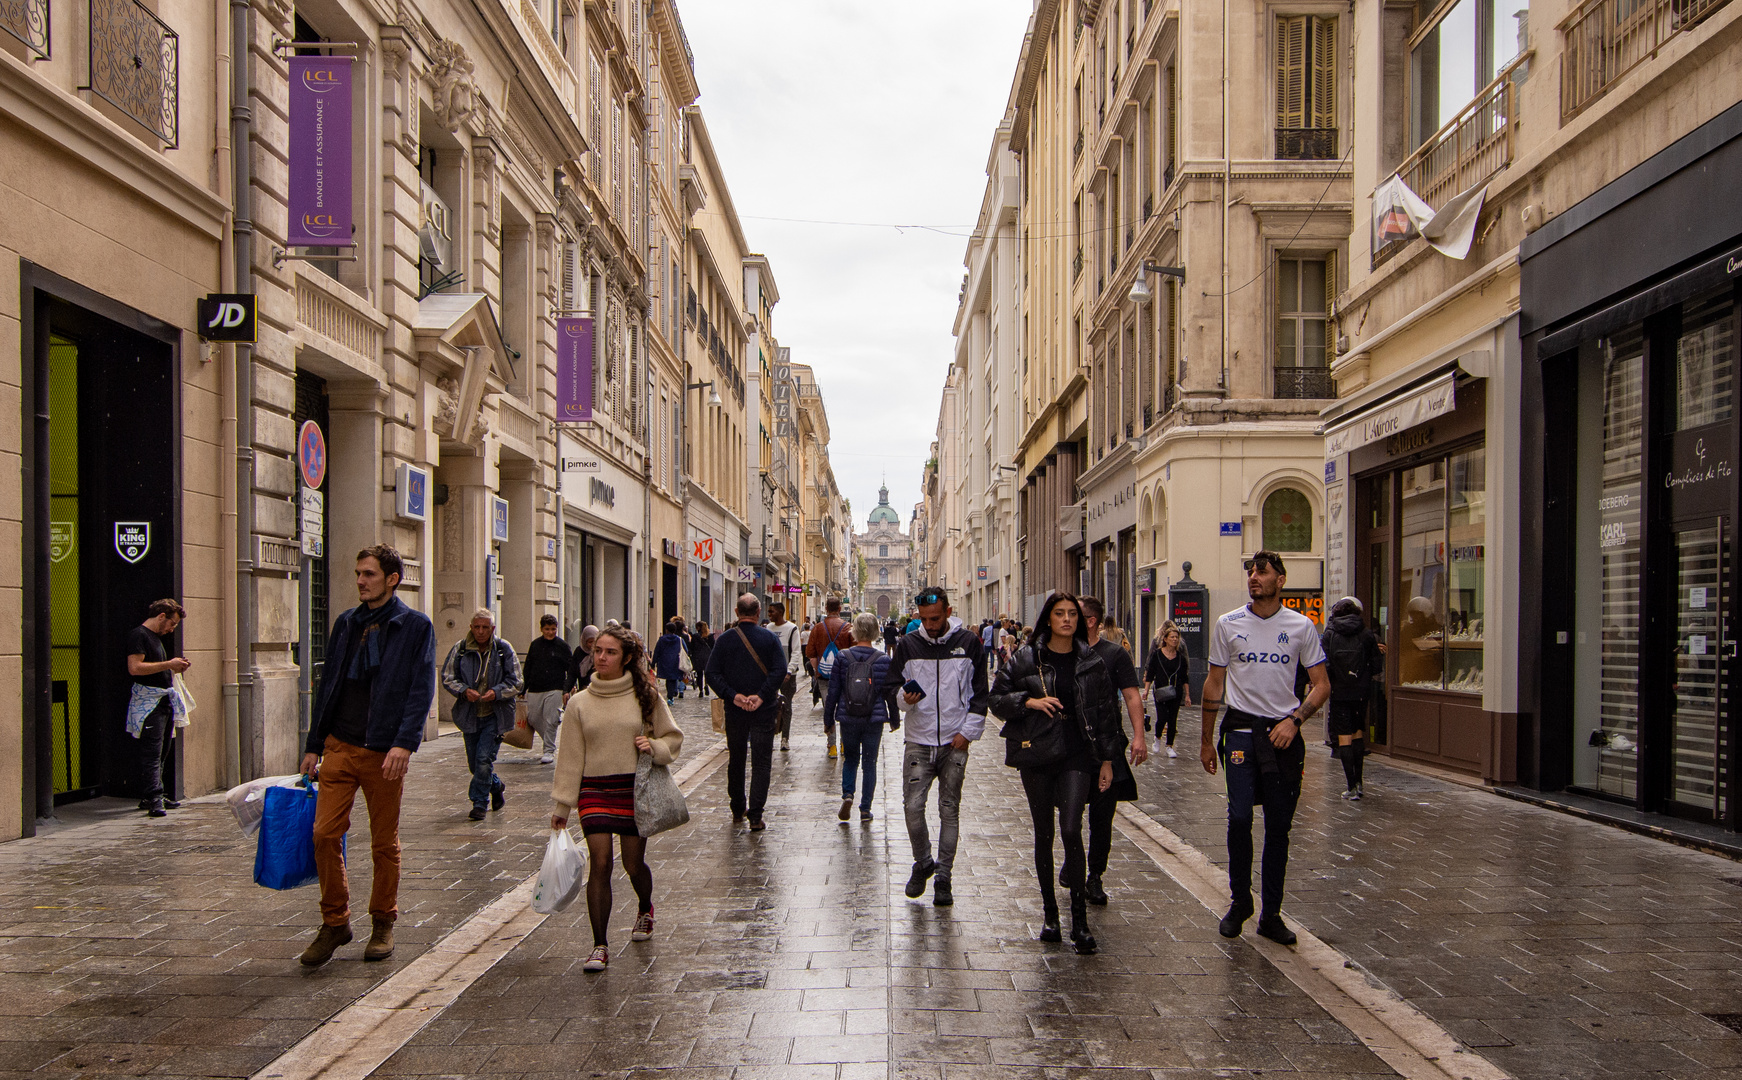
point(1254, 654)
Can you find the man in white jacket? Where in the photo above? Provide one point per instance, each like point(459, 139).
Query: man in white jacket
point(940, 671)
point(788, 635)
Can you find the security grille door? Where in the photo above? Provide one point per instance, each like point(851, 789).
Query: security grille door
point(1700, 740)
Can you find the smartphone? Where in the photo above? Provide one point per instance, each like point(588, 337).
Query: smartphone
point(912, 687)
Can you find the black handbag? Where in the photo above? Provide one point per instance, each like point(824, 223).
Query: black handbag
point(1035, 740)
point(1165, 695)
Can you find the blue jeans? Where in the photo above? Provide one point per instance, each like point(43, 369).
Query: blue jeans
point(1248, 787)
point(859, 742)
point(481, 747)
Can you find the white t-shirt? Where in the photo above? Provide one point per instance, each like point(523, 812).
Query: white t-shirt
point(787, 634)
point(1260, 655)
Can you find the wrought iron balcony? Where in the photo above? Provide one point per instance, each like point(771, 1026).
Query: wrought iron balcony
point(1167, 176)
point(1078, 151)
point(1148, 206)
point(136, 64)
point(1304, 382)
point(1306, 144)
point(1605, 39)
point(27, 20)
point(1077, 264)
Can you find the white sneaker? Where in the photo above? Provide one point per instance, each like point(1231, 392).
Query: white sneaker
point(547, 758)
point(1171, 752)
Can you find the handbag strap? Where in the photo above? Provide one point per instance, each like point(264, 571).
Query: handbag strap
point(745, 638)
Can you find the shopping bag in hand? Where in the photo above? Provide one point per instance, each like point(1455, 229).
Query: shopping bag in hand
point(285, 855)
point(248, 800)
point(521, 736)
point(559, 879)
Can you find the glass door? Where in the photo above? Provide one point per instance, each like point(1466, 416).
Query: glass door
point(1699, 739)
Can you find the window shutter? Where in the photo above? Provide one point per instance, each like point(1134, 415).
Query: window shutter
point(1291, 72)
point(595, 122)
point(1172, 336)
point(1324, 96)
point(1330, 299)
point(1172, 116)
point(568, 286)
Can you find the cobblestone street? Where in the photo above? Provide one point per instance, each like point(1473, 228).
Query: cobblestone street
point(1549, 945)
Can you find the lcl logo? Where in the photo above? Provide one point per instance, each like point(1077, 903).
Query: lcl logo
point(227, 317)
point(320, 224)
point(320, 80)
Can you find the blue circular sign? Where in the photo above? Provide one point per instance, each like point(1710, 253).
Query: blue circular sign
point(311, 454)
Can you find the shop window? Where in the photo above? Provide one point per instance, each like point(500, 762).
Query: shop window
point(1466, 528)
point(1421, 577)
point(1288, 521)
point(1607, 620)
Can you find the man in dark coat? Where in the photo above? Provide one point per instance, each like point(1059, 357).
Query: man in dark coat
point(746, 669)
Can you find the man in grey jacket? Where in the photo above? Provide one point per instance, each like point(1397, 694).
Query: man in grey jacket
point(482, 672)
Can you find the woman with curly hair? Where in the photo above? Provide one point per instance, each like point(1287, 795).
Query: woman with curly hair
point(1058, 674)
point(605, 728)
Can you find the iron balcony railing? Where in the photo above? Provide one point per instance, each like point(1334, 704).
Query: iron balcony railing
point(1077, 152)
point(1472, 146)
point(1304, 382)
point(1148, 206)
point(1602, 40)
point(27, 20)
point(1077, 264)
point(135, 65)
point(1306, 144)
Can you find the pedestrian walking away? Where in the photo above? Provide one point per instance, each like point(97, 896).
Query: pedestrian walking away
point(1063, 733)
point(891, 634)
point(481, 672)
point(746, 670)
point(828, 639)
point(366, 723)
point(1103, 802)
point(1353, 659)
point(861, 700)
point(1168, 677)
point(792, 648)
point(550, 677)
point(701, 647)
point(606, 727)
point(666, 653)
point(1255, 652)
point(941, 676)
point(155, 708)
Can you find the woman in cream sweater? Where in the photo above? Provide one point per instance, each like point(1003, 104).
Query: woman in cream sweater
point(605, 729)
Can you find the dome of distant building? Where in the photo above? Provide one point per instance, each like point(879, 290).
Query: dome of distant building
point(883, 513)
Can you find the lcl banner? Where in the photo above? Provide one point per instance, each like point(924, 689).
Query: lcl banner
point(574, 371)
point(320, 151)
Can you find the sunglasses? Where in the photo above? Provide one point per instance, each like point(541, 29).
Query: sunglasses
point(929, 597)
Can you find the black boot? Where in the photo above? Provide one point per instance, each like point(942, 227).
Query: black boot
point(1049, 918)
point(1080, 936)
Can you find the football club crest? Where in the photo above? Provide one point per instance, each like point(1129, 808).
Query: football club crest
point(1236, 757)
point(132, 540)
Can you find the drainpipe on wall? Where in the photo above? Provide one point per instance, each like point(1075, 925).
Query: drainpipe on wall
point(221, 149)
point(247, 730)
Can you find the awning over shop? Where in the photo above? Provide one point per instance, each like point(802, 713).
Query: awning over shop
point(1414, 407)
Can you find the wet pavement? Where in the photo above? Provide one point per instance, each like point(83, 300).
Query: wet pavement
point(1552, 945)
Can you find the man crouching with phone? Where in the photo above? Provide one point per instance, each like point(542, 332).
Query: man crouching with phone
point(941, 674)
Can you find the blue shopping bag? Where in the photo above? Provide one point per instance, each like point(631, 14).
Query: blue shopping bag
point(285, 855)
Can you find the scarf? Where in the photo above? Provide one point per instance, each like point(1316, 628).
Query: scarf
point(367, 624)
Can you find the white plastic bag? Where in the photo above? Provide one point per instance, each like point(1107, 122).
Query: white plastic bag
point(559, 879)
point(248, 801)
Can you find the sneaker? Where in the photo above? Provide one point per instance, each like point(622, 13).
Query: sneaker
point(477, 813)
point(784, 746)
point(1233, 921)
point(498, 798)
point(547, 758)
point(846, 810)
point(643, 927)
point(327, 939)
point(597, 959)
point(1272, 927)
point(1350, 794)
point(864, 817)
point(1355, 795)
point(1171, 752)
point(941, 895)
point(833, 752)
point(922, 873)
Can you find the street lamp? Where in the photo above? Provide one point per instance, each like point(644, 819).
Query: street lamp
point(1140, 291)
point(713, 392)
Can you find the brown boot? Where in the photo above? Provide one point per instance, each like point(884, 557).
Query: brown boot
point(380, 945)
point(320, 950)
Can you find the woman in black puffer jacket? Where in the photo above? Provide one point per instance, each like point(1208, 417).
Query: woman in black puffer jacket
point(1058, 674)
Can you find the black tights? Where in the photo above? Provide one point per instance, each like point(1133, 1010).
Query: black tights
point(1067, 793)
point(599, 878)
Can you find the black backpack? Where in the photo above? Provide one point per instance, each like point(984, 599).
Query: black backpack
point(860, 696)
point(1346, 659)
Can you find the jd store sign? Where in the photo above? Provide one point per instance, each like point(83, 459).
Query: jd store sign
point(132, 540)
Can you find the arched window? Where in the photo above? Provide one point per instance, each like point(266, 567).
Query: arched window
point(1288, 521)
point(883, 576)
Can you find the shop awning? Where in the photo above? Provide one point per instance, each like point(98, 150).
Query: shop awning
point(1414, 407)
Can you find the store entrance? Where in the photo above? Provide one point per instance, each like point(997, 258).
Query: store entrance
point(1699, 779)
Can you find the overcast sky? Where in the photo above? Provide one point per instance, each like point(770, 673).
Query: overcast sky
point(877, 111)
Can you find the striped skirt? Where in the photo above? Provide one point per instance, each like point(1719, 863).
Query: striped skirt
point(607, 805)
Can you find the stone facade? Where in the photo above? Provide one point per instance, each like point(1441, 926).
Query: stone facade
point(887, 556)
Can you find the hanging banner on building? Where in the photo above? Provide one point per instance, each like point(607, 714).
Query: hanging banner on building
point(574, 371)
point(320, 151)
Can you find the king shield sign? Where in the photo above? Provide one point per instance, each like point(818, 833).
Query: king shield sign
point(132, 539)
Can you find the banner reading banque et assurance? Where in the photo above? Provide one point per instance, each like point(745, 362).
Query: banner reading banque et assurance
point(320, 151)
point(574, 371)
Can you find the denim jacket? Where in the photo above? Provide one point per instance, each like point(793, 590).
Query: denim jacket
point(460, 673)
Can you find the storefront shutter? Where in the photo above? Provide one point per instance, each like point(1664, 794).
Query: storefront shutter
point(1291, 71)
point(1324, 90)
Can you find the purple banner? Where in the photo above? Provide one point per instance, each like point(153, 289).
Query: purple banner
point(574, 371)
point(320, 151)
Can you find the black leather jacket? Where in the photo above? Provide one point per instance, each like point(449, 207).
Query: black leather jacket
point(1098, 704)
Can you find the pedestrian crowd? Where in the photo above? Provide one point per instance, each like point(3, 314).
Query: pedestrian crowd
point(1066, 690)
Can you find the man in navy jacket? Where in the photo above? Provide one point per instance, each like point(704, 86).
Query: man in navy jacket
point(369, 713)
point(746, 669)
